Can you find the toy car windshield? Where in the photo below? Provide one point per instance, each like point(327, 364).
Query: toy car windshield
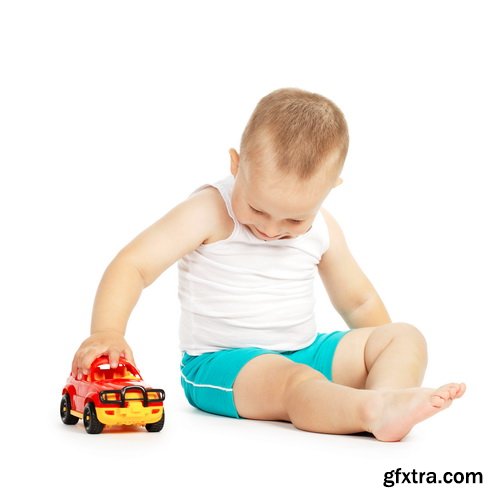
point(121, 372)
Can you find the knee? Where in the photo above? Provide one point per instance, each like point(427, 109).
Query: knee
point(297, 375)
point(411, 334)
point(407, 334)
point(409, 331)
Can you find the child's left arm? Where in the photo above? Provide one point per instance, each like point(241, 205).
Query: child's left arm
point(350, 291)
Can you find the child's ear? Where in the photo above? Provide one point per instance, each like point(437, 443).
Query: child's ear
point(338, 182)
point(235, 161)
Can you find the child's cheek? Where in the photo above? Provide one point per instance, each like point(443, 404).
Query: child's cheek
point(243, 216)
point(246, 220)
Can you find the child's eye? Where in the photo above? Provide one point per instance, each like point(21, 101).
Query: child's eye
point(293, 221)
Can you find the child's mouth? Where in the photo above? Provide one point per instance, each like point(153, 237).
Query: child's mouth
point(264, 235)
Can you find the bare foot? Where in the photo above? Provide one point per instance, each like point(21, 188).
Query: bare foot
point(393, 413)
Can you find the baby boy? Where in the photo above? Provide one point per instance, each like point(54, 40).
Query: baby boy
point(248, 248)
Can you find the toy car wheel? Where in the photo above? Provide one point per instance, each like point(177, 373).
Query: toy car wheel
point(156, 426)
point(65, 411)
point(90, 420)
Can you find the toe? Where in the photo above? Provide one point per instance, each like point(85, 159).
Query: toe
point(444, 392)
point(455, 390)
point(461, 390)
point(437, 401)
point(447, 392)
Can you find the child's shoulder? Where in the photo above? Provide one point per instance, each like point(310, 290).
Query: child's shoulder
point(331, 222)
point(211, 200)
point(335, 233)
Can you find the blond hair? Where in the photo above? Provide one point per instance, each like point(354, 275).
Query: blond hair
point(304, 129)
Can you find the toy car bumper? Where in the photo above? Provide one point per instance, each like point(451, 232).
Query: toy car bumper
point(134, 414)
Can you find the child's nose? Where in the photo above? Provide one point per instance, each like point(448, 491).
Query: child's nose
point(271, 230)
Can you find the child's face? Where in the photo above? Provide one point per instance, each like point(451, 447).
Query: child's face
point(274, 206)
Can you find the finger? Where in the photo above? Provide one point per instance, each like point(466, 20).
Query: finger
point(129, 355)
point(114, 357)
point(88, 358)
point(74, 365)
point(80, 362)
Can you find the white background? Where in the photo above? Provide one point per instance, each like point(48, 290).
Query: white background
point(112, 112)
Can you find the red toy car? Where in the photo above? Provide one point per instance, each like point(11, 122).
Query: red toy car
point(112, 396)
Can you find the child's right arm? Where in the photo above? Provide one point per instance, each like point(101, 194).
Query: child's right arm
point(136, 266)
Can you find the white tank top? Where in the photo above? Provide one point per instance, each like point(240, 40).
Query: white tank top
point(247, 292)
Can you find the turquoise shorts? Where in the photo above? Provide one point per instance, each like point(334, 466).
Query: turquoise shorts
point(208, 379)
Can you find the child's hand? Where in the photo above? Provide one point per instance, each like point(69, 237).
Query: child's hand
point(112, 344)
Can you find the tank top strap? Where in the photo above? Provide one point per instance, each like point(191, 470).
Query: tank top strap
point(225, 187)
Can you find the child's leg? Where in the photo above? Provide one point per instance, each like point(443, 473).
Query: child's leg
point(391, 356)
point(271, 387)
